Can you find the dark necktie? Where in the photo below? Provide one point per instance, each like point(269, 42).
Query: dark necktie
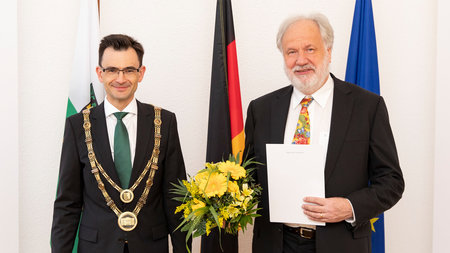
point(122, 154)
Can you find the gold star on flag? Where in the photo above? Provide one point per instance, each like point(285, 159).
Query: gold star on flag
point(372, 221)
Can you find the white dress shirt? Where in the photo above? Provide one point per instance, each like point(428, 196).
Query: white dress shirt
point(130, 122)
point(319, 115)
point(320, 120)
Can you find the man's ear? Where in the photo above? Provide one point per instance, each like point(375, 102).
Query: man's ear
point(99, 71)
point(329, 50)
point(141, 73)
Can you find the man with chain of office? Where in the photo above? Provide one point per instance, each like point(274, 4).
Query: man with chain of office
point(117, 164)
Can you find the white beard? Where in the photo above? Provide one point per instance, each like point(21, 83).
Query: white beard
point(314, 82)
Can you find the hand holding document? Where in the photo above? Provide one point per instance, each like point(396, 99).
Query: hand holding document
point(293, 172)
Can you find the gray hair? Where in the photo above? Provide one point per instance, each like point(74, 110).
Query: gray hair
point(325, 28)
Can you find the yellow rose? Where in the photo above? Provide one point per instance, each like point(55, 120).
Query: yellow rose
point(233, 187)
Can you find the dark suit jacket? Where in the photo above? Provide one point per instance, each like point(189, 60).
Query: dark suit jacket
point(78, 192)
point(361, 149)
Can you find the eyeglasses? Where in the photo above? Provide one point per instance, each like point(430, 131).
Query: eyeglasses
point(113, 72)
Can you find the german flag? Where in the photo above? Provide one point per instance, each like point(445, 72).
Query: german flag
point(225, 125)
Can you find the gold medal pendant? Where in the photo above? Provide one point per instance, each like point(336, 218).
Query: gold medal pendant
point(126, 196)
point(127, 221)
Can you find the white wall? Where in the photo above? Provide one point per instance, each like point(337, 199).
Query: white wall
point(441, 207)
point(46, 39)
point(9, 129)
point(406, 37)
point(177, 37)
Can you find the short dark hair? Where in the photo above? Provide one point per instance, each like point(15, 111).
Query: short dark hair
point(120, 42)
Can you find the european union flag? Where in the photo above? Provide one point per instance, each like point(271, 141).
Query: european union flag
point(362, 69)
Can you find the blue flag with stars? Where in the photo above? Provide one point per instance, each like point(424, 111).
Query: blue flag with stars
point(362, 69)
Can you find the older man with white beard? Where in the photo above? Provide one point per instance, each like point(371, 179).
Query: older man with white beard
point(362, 172)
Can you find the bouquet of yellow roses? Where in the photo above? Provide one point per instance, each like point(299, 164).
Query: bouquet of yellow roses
point(222, 195)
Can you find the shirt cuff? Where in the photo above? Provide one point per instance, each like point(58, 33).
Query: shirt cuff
point(352, 220)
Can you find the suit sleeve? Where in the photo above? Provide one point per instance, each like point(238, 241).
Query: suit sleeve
point(386, 182)
point(69, 199)
point(249, 126)
point(249, 151)
point(174, 170)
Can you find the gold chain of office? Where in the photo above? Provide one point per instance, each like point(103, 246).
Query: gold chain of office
point(127, 221)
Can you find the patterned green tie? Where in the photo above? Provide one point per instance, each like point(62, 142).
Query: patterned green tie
point(122, 154)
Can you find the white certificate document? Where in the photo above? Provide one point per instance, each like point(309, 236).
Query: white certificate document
point(294, 172)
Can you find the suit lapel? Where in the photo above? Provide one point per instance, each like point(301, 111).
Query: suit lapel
point(340, 118)
point(144, 140)
point(101, 144)
point(279, 112)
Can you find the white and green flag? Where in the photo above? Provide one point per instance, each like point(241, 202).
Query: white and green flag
point(84, 86)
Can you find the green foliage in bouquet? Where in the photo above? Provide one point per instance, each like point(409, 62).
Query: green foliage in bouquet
point(223, 195)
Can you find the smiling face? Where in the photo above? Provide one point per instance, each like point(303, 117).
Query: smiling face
point(306, 58)
point(120, 88)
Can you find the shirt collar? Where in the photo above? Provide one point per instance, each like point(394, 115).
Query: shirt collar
point(320, 96)
point(110, 109)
